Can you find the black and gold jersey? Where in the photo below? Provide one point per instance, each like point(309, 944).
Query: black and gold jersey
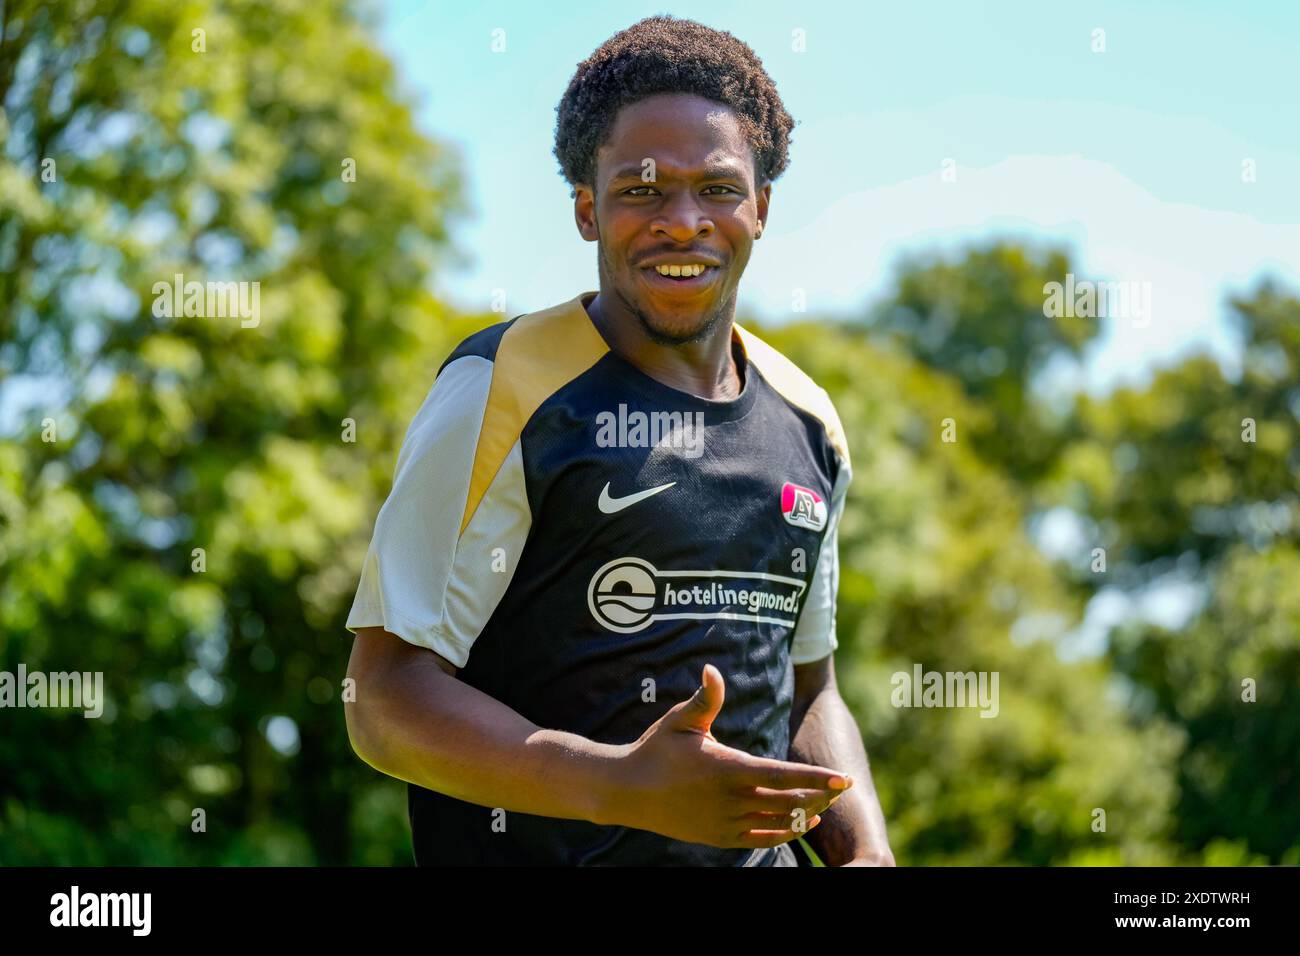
point(579, 539)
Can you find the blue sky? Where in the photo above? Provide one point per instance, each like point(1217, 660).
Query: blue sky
point(1132, 158)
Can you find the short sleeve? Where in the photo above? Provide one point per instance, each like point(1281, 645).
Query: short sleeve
point(814, 635)
point(426, 578)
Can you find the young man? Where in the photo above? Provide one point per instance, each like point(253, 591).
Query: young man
point(596, 621)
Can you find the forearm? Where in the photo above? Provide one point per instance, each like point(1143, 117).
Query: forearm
point(430, 729)
point(853, 828)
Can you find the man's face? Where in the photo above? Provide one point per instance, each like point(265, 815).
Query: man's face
point(701, 208)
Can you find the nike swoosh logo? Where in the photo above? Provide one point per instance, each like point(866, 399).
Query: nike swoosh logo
point(610, 505)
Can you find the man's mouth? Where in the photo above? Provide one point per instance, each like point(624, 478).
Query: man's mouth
point(684, 277)
point(683, 271)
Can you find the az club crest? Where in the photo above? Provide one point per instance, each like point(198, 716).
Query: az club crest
point(802, 507)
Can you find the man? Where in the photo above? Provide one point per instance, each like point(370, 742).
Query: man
point(596, 620)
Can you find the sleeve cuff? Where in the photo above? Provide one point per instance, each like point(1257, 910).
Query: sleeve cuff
point(814, 652)
point(371, 615)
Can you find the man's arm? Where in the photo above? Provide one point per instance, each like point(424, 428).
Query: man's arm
point(412, 719)
point(823, 731)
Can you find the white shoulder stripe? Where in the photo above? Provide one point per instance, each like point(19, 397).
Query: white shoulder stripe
point(421, 580)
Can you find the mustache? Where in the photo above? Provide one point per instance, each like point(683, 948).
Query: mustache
point(705, 255)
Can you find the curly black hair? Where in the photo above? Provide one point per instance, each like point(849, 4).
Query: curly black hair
point(664, 54)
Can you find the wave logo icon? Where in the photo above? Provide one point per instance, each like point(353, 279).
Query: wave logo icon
point(622, 594)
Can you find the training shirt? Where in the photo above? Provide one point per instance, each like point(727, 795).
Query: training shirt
point(579, 539)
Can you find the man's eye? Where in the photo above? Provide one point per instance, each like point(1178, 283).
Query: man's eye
point(725, 189)
point(633, 191)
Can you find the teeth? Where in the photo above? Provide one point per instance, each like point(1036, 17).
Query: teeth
point(694, 269)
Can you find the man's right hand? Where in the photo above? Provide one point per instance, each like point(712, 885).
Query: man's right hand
point(678, 780)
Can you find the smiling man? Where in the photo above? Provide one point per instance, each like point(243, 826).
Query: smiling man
point(596, 621)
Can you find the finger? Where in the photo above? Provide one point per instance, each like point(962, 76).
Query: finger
point(781, 775)
point(805, 810)
point(700, 710)
point(763, 800)
point(801, 812)
point(768, 838)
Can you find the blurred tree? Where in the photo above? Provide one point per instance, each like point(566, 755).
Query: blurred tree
point(936, 570)
point(1193, 477)
point(1194, 462)
point(231, 141)
point(980, 317)
point(1181, 479)
point(1230, 681)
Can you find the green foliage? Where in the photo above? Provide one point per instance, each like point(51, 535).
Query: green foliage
point(1230, 682)
point(936, 570)
point(1195, 474)
point(979, 317)
point(194, 432)
point(1192, 476)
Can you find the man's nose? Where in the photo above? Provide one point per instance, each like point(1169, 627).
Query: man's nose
point(682, 218)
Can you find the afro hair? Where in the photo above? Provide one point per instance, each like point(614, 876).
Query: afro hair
point(664, 54)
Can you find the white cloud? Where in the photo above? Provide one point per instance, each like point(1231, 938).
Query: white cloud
point(1115, 229)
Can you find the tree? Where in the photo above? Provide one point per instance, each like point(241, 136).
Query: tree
point(223, 142)
point(1195, 474)
point(936, 570)
point(1230, 681)
point(980, 317)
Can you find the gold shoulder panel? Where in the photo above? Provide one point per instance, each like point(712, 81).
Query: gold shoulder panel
point(537, 356)
point(796, 387)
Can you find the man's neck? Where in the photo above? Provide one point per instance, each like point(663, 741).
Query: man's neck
point(705, 368)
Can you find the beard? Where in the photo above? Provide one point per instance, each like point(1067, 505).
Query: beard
point(656, 330)
point(662, 336)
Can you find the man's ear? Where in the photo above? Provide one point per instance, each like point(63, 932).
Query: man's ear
point(764, 197)
point(584, 212)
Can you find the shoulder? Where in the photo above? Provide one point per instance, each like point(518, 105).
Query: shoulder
point(796, 387)
point(481, 344)
point(536, 353)
point(528, 359)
